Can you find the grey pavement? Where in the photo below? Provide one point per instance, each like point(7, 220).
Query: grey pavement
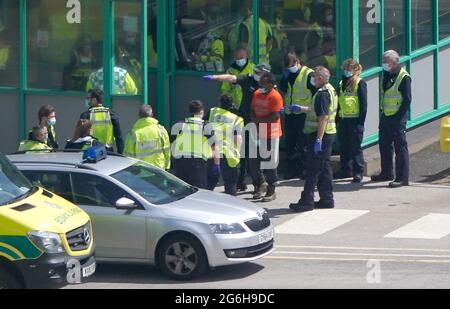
point(334, 248)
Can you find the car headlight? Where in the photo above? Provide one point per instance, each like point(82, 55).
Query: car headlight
point(47, 241)
point(235, 228)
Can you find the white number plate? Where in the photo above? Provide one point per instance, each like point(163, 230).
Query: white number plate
point(89, 270)
point(268, 236)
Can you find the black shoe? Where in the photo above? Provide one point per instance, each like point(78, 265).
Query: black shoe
point(242, 187)
point(398, 184)
point(320, 205)
point(341, 175)
point(358, 178)
point(382, 178)
point(300, 207)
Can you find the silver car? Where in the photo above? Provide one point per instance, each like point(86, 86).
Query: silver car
point(142, 214)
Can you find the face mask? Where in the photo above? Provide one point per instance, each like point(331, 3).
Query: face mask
point(313, 81)
point(85, 60)
point(257, 77)
point(387, 67)
point(348, 74)
point(294, 69)
point(87, 103)
point(263, 90)
point(241, 62)
point(51, 122)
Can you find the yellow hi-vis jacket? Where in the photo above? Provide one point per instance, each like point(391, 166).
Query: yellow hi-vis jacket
point(393, 98)
point(299, 94)
point(312, 121)
point(102, 126)
point(149, 141)
point(349, 106)
point(192, 143)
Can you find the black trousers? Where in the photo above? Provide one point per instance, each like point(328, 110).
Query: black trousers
point(318, 171)
point(229, 174)
point(264, 167)
point(244, 166)
point(350, 141)
point(192, 171)
point(295, 141)
point(393, 137)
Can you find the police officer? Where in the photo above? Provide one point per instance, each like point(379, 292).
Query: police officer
point(352, 112)
point(227, 127)
point(148, 140)
point(47, 118)
point(249, 84)
point(395, 104)
point(297, 90)
point(193, 148)
point(242, 66)
point(123, 81)
point(105, 122)
point(37, 140)
point(321, 130)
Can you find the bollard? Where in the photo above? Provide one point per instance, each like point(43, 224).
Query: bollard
point(445, 135)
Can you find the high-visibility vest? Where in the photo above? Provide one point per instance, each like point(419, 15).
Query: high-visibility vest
point(225, 124)
point(393, 98)
point(30, 145)
point(349, 106)
point(132, 65)
point(149, 142)
point(4, 57)
point(191, 143)
point(211, 51)
point(265, 30)
point(312, 121)
point(102, 126)
point(123, 83)
point(314, 28)
point(152, 53)
point(234, 90)
point(299, 94)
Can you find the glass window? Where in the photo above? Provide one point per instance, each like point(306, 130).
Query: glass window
point(156, 186)
point(306, 27)
point(444, 19)
point(56, 182)
point(422, 29)
point(394, 26)
point(207, 33)
point(368, 37)
point(64, 43)
point(152, 46)
point(90, 190)
point(128, 51)
point(13, 185)
point(9, 43)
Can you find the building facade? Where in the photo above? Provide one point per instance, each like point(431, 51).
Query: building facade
point(50, 48)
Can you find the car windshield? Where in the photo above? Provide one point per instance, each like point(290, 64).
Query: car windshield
point(13, 185)
point(156, 186)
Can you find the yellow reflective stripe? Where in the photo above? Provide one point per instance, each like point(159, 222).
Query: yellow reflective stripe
point(12, 249)
point(7, 256)
point(150, 153)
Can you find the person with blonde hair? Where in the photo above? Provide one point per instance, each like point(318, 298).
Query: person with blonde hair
point(82, 138)
point(351, 118)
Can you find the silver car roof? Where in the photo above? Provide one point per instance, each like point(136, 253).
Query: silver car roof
point(112, 164)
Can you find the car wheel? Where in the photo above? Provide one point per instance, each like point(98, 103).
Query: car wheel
point(182, 257)
point(8, 281)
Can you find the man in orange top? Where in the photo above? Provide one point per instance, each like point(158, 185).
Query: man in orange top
point(267, 105)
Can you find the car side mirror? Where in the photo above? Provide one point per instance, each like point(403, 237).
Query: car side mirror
point(125, 204)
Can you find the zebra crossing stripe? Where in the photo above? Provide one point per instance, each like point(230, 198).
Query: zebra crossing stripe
point(319, 222)
point(432, 226)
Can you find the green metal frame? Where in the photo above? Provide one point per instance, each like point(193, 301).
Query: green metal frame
point(166, 72)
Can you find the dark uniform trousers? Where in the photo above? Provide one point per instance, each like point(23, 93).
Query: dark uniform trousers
point(260, 175)
point(350, 141)
point(318, 171)
point(393, 136)
point(192, 171)
point(296, 141)
point(229, 174)
point(244, 166)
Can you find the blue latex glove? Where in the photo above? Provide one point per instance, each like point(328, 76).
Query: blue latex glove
point(318, 147)
point(296, 109)
point(283, 109)
point(360, 129)
point(215, 170)
point(208, 77)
